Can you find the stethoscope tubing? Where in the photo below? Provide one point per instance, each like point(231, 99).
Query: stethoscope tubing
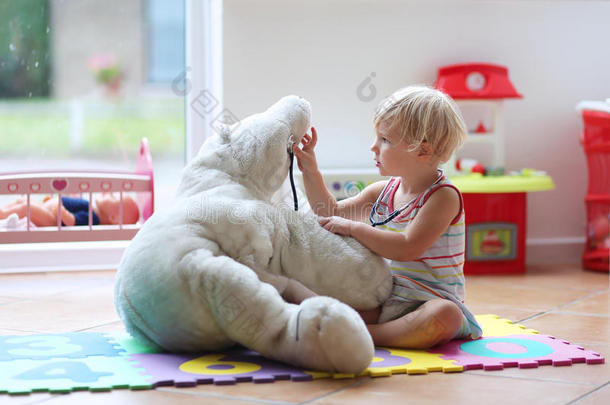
point(397, 212)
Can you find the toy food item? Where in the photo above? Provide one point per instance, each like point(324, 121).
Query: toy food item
point(469, 166)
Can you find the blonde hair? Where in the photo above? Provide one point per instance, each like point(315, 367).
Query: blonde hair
point(422, 114)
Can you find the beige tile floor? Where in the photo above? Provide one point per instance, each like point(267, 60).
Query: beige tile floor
point(561, 300)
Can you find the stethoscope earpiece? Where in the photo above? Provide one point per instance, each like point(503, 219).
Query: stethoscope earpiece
point(290, 144)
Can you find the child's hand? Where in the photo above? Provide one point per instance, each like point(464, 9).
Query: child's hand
point(338, 225)
point(306, 157)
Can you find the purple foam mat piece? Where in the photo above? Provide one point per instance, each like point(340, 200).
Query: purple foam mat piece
point(523, 351)
point(233, 366)
point(389, 360)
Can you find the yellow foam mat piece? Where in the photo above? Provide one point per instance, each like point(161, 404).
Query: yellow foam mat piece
point(399, 361)
point(493, 325)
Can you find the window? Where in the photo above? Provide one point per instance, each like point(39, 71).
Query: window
point(165, 40)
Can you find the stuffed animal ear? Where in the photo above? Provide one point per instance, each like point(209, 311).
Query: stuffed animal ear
point(224, 131)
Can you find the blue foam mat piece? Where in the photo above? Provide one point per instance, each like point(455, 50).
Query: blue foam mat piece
point(49, 346)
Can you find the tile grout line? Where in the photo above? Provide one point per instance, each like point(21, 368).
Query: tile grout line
point(552, 380)
point(97, 326)
point(175, 390)
point(575, 400)
point(528, 318)
point(354, 384)
point(586, 297)
point(558, 307)
point(579, 314)
point(585, 344)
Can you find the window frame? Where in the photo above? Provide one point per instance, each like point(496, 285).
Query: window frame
point(204, 70)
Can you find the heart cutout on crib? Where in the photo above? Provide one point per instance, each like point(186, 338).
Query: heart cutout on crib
point(59, 184)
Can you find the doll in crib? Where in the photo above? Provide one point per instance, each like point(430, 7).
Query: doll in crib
point(75, 211)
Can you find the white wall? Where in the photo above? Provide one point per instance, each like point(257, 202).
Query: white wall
point(557, 53)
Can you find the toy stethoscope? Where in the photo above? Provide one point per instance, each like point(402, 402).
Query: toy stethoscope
point(397, 212)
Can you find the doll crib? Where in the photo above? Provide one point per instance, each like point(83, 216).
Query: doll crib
point(83, 183)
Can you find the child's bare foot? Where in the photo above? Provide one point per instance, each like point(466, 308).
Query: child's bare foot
point(436, 321)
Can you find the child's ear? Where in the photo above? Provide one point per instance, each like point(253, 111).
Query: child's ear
point(424, 150)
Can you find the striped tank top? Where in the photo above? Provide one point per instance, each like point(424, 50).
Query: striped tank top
point(438, 273)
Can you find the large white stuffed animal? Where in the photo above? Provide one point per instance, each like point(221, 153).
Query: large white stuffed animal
point(209, 271)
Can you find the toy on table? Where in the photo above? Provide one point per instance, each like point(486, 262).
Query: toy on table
point(481, 128)
point(469, 166)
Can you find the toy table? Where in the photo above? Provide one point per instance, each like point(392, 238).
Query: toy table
point(496, 219)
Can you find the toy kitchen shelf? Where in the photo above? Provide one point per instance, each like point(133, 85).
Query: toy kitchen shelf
point(491, 134)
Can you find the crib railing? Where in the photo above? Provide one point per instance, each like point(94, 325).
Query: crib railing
point(84, 184)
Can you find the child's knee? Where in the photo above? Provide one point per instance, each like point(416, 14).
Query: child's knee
point(448, 318)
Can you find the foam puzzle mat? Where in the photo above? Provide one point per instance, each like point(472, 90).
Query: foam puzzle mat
point(61, 363)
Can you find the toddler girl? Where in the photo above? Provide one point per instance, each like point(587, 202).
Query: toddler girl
point(415, 219)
